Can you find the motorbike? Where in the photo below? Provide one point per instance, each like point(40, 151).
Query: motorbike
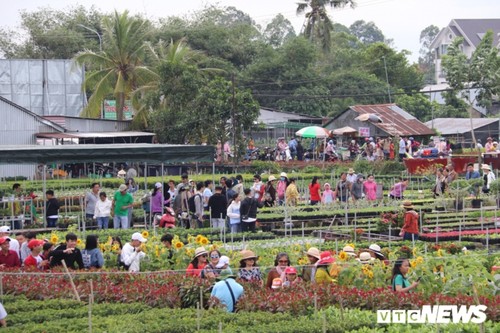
point(252, 155)
point(267, 154)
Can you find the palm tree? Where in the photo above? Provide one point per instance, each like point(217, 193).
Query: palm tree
point(318, 25)
point(173, 53)
point(119, 68)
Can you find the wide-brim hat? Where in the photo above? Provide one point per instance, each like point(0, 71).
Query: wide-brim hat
point(200, 251)
point(351, 170)
point(122, 188)
point(247, 254)
point(365, 258)
point(326, 258)
point(349, 250)
point(283, 174)
point(314, 252)
point(407, 204)
point(485, 167)
point(375, 248)
point(271, 178)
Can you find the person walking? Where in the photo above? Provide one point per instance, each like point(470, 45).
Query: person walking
point(122, 201)
point(248, 211)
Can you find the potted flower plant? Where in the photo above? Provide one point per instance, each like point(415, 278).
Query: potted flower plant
point(475, 188)
point(495, 190)
point(458, 191)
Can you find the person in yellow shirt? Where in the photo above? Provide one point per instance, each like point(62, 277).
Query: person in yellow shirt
point(323, 267)
point(292, 194)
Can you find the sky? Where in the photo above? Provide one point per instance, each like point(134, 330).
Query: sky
point(400, 20)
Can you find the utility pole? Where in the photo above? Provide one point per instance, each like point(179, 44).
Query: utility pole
point(387, 80)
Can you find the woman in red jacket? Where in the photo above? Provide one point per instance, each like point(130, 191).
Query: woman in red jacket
point(314, 191)
point(410, 227)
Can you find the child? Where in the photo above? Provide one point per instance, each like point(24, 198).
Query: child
point(51, 209)
point(102, 211)
point(34, 259)
point(328, 196)
point(291, 278)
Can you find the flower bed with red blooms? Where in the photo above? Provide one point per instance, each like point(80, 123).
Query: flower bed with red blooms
point(166, 289)
point(452, 235)
point(154, 289)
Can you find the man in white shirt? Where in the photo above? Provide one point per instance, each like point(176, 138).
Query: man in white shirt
point(132, 254)
point(402, 149)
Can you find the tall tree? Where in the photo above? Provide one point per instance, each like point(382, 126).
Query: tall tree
point(119, 68)
point(366, 32)
point(52, 34)
point(476, 80)
point(427, 57)
point(278, 31)
point(318, 26)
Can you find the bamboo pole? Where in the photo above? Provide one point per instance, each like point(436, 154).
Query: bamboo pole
point(71, 281)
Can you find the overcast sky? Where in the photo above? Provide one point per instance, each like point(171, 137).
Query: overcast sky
point(401, 20)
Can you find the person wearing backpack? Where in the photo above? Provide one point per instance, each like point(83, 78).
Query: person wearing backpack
point(91, 255)
point(195, 204)
point(248, 211)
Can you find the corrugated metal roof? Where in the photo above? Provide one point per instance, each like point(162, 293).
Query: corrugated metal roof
point(105, 153)
point(76, 135)
point(450, 126)
point(395, 121)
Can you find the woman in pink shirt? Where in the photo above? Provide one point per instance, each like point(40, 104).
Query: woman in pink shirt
point(328, 196)
point(397, 191)
point(370, 188)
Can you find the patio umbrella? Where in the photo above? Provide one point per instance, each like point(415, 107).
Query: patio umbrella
point(313, 132)
point(344, 130)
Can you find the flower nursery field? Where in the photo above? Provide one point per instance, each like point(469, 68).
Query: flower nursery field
point(162, 299)
point(455, 262)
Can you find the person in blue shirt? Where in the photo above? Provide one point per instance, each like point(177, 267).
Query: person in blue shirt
point(399, 281)
point(227, 290)
point(292, 144)
point(471, 173)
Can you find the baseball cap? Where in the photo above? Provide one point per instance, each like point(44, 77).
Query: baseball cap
point(158, 185)
point(5, 229)
point(4, 239)
point(34, 243)
point(223, 260)
point(138, 236)
point(290, 270)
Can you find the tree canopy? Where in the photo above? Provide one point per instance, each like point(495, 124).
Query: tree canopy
point(217, 61)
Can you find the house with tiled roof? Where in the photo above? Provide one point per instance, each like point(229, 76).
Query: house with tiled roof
point(471, 30)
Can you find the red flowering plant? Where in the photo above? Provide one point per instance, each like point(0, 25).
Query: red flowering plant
point(392, 219)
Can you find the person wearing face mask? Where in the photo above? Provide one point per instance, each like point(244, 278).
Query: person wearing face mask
point(281, 188)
